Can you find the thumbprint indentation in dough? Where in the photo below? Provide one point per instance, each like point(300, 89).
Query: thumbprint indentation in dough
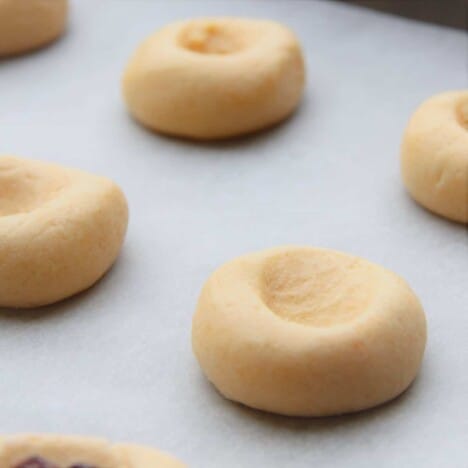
point(462, 113)
point(23, 190)
point(211, 38)
point(316, 288)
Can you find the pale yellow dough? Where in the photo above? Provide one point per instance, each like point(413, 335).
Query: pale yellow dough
point(308, 332)
point(434, 155)
point(65, 451)
point(60, 230)
point(214, 78)
point(28, 24)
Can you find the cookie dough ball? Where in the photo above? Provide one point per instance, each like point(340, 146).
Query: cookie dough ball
point(60, 230)
point(434, 160)
point(145, 457)
point(215, 77)
point(50, 451)
point(29, 24)
point(308, 332)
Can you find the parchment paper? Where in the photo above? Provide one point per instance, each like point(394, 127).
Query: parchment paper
point(117, 361)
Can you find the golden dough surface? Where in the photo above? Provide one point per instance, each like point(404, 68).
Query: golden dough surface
point(434, 155)
point(23, 188)
point(213, 78)
point(29, 24)
point(316, 289)
point(61, 229)
point(214, 38)
point(305, 331)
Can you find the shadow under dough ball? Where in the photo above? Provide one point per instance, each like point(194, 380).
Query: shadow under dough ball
point(29, 24)
point(434, 155)
point(308, 332)
point(61, 229)
point(215, 78)
point(55, 451)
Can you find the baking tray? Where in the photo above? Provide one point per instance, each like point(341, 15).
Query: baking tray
point(116, 361)
point(452, 13)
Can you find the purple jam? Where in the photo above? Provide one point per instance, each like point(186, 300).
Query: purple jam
point(82, 465)
point(36, 462)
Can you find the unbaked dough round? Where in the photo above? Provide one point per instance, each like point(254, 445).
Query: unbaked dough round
point(60, 230)
point(56, 451)
point(214, 78)
point(308, 332)
point(28, 24)
point(434, 158)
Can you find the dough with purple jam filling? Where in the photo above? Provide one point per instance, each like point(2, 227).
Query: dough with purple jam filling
point(55, 451)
